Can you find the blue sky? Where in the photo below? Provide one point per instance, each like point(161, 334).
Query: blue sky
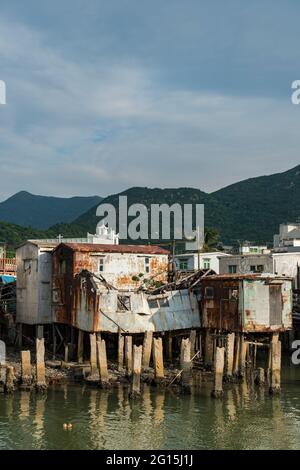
point(104, 95)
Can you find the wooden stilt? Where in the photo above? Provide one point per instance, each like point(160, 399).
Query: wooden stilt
point(186, 365)
point(229, 355)
point(136, 369)
point(102, 363)
point(26, 369)
point(218, 373)
point(147, 347)
point(80, 346)
point(120, 351)
point(40, 365)
point(93, 354)
point(128, 354)
point(158, 359)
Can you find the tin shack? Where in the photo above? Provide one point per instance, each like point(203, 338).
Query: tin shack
point(123, 267)
point(247, 303)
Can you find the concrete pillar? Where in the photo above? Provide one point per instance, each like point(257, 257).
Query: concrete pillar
point(229, 355)
point(193, 342)
point(186, 365)
point(136, 369)
point(102, 363)
point(80, 346)
point(10, 379)
point(120, 351)
point(40, 364)
point(275, 366)
point(209, 349)
point(26, 369)
point(93, 354)
point(260, 376)
point(157, 348)
point(218, 373)
point(128, 354)
point(147, 347)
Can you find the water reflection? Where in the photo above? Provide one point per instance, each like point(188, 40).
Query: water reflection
point(246, 417)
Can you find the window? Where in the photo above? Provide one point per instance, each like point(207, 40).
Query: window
point(62, 266)
point(123, 303)
point(27, 264)
point(257, 269)
point(101, 265)
point(206, 263)
point(152, 303)
point(183, 264)
point(209, 292)
point(147, 265)
point(163, 303)
point(233, 294)
point(232, 269)
point(253, 250)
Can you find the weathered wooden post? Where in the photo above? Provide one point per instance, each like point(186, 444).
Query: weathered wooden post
point(93, 354)
point(236, 361)
point(147, 347)
point(39, 331)
point(128, 354)
point(185, 365)
point(26, 375)
point(2, 365)
point(229, 355)
point(209, 349)
point(136, 369)
point(193, 342)
point(260, 376)
point(10, 379)
point(80, 346)
point(40, 365)
point(275, 367)
point(157, 348)
point(120, 351)
point(218, 373)
point(102, 363)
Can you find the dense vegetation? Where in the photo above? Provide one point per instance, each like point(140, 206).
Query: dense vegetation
point(248, 210)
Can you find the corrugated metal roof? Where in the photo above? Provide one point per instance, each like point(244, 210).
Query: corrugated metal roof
point(91, 247)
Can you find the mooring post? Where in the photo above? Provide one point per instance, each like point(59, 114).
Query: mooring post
point(40, 365)
point(10, 379)
point(128, 354)
point(120, 350)
point(102, 363)
point(80, 346)
point(136, 372)
point(157, 348)
point(218, 373)
point(26, 369)
point(229, 355)
point(260, 376)
point(209, 349)
point(93, 354)
point(147, 347)
point(275, 366)
point(186, 365)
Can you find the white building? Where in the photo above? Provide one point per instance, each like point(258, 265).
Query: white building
point(288, 238)
point(103, 236)
point(248, 248)
point(194, 261)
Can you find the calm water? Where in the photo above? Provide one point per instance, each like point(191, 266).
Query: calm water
point(243, 419)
